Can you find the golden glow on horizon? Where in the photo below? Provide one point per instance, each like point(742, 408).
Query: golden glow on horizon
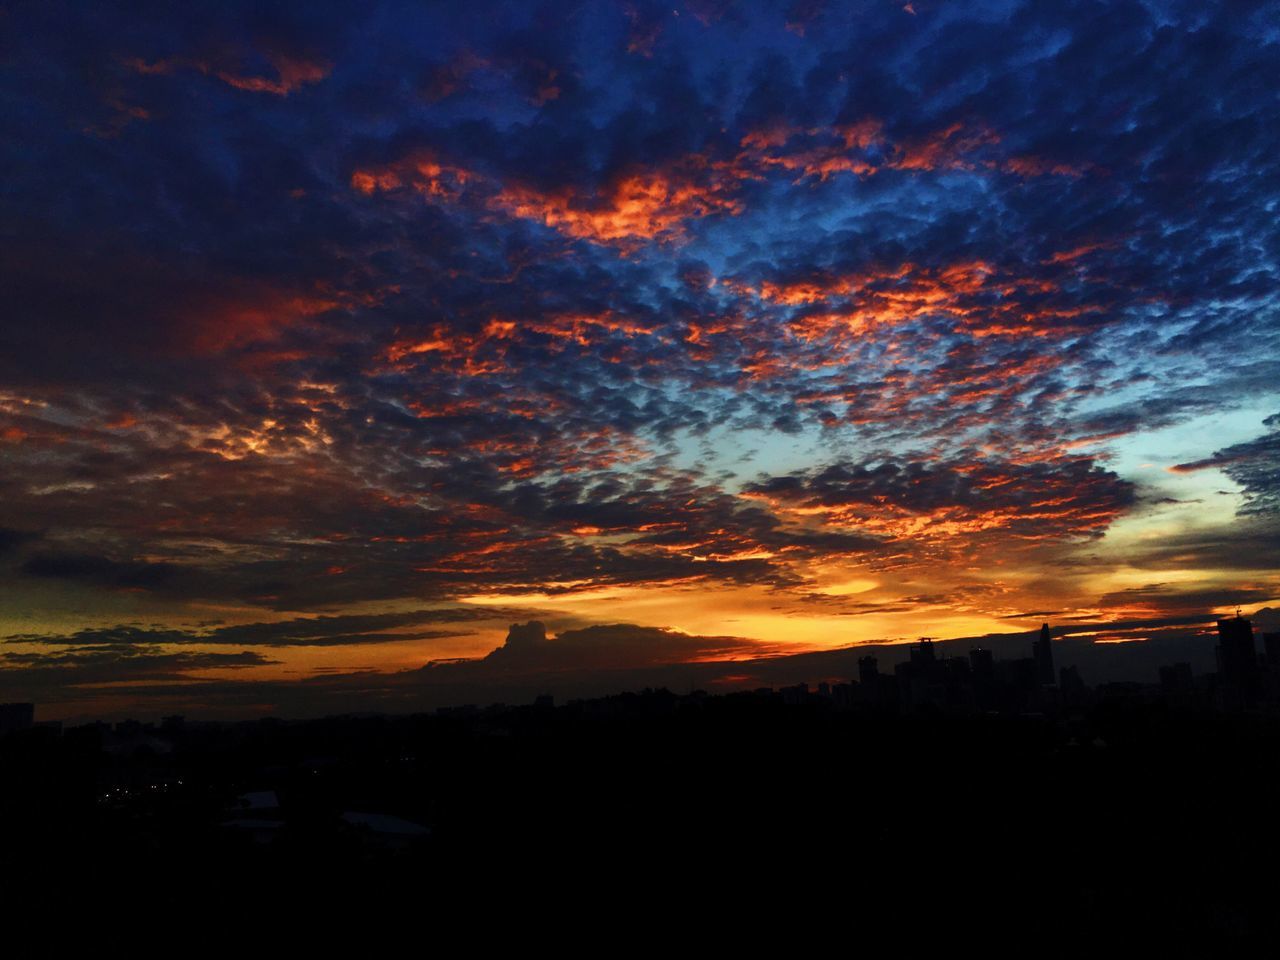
point(845, 588)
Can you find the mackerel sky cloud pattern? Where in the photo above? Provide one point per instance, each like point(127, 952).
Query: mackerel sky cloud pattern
point(806, 325)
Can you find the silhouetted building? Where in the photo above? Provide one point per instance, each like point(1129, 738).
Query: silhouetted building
point(1023, 681)
point(1271, 647)
point(1237, 663)
point(1042, 652)
point(1073, 692)
point(1176, 678)
point(16, 716)
point(925, 680)
point(982, 663)
point(874, 689)
point(922, 653)
point(797, 694)
point(1237, 655)
point(843, 694)
point(982, 673)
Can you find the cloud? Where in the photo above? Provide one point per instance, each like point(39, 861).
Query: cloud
point(291, 73)
point(89, 673)
point(11, 540)
point(637, 205)
point(91, 568)
point(1039, 501)
point(1255, 465)
point(606, 647)
point(321, 631)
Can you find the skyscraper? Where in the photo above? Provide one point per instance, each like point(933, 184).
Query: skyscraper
point(1237, 662)
point(1042, 651)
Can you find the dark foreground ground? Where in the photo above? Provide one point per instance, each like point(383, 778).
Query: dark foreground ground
point(733, 818)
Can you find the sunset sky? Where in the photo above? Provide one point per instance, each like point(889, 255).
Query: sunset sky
point(338, 338)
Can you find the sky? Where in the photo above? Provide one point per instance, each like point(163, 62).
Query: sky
point(707, 335)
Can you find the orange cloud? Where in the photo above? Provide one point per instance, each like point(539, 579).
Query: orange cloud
point(825, 152)
point(948, 148)
point(447, 79)
point(640, 205)
point(1027, 505)
point(1069, 256)
point(821, 152)
point(891, 296)
point(421, 171)
point(248, 317)
point(292, 73)
point(656, 203)
point(1033, 166)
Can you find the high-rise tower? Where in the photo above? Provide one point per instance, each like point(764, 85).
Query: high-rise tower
point(1042, 651)
point(1238, 678)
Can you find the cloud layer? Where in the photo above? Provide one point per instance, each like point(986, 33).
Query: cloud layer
point(330, 306)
